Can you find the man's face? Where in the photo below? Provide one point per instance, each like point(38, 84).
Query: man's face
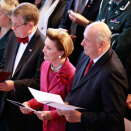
point(19, 27)
point(90, 45)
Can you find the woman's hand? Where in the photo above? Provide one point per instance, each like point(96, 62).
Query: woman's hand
point(24, 110)
point(43, 115)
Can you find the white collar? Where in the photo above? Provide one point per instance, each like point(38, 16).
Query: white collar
point(96, 59)
point(31, 35)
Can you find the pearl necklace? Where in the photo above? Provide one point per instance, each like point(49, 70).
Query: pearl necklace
point(55, 69)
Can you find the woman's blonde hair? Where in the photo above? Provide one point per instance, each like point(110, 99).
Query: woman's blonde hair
point(8, 6)
point(62, 39)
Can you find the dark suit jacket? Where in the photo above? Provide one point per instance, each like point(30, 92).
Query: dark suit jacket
point(90, 12)
point(26, 74)
point(102, 92)
point(55, 17)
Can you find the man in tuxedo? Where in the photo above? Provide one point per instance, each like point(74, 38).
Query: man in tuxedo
point(77, 12)
point(23, 57)
point(102, 89)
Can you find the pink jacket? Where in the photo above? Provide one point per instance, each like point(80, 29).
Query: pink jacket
point(61, 84)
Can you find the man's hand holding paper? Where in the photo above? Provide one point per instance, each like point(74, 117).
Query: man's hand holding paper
point(72, 116)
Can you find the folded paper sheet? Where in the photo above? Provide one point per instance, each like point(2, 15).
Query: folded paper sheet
point(51, 100)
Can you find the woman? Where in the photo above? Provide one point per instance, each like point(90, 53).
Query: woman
point(56, 77)
point(6, 8)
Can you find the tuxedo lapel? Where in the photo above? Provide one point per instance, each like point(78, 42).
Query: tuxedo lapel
point(28, 51)
point(15, 47)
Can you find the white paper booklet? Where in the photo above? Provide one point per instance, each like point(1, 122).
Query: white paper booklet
point(51, 100)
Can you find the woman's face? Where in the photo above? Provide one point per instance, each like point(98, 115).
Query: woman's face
point(4, 19)
point(50, 51)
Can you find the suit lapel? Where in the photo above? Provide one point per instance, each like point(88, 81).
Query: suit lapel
point(15, 47)
point(79, 79)
point(44, 80)
point(80, 72)
point(28, 51)
point(92, 71)
point(88, 6)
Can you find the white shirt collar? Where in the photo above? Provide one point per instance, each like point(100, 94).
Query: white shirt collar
point(31, 35)
point(96, 59)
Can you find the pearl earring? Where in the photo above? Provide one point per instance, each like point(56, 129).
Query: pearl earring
point(59, 56)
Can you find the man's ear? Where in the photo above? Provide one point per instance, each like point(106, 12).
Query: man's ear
point(101, 44)
point(31, 25)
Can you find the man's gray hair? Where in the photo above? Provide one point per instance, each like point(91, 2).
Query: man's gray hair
point(103, 34)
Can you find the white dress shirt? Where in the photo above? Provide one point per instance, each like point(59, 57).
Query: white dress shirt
point(20, 52)
point(45, 12)
point(77, 2)
point(96, 59)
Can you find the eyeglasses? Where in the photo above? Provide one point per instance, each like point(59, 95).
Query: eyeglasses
point(16, 26)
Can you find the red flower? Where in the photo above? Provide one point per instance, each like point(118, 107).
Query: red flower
point(63, 77)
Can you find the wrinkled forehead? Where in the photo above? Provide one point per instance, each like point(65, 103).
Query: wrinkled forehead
point(17, 18)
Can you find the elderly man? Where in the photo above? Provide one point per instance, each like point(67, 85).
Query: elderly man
point(117, 15)
point(23, 58)
point(99, 86)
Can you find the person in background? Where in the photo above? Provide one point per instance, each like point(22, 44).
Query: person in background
point(51, 12)
point(56, 77)
point(39, 3)
point(99, 86)
point(22, 58)
point(81, 10)
point(6, 8)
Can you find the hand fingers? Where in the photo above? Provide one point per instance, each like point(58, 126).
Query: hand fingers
point(39, 115)
point(59, 112)
point(23, 110)
point(129, 105)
